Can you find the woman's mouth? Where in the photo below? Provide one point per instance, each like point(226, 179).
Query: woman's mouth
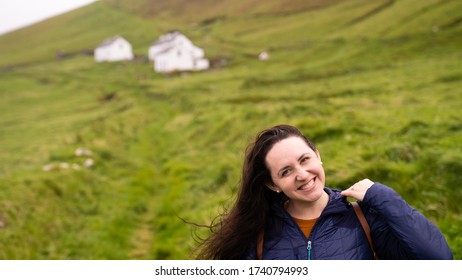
point(308, 185)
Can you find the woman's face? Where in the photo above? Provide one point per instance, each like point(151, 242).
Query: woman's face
point(296, 170)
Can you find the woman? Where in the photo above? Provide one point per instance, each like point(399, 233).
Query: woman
point(283, 198)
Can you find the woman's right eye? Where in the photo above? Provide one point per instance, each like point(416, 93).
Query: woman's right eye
point(304, 159)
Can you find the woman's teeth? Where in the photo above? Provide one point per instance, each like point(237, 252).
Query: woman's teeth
point(308, 185)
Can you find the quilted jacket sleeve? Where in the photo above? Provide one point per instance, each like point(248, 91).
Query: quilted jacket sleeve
point(400, 231)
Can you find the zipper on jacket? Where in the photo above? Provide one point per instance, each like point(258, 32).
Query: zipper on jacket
point(308, 248)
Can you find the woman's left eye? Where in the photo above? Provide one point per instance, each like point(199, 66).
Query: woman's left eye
point(286, 172)
point(305, 159)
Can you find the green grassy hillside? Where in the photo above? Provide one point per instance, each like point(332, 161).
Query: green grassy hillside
point(375, 84)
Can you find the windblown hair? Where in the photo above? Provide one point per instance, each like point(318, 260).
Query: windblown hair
point(235, 232)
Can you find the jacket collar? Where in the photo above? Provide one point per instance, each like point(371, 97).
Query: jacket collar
point(337, 202)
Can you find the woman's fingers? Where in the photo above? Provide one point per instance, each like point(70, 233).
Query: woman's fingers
point(358, 190)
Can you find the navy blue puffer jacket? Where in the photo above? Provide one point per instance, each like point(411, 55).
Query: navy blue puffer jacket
point(398, 231)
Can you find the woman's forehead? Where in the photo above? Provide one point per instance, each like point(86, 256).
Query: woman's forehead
point(287, 150)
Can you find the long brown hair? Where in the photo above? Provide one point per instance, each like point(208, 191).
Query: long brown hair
point(236, 231)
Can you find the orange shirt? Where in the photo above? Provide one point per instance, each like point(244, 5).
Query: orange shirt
point(305, 225)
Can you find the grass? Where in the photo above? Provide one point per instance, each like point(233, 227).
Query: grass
point(381, 99)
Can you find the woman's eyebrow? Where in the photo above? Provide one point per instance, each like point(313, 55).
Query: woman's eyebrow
point(302, 156)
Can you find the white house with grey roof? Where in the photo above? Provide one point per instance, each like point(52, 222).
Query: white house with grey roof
point(113, 49)
point(175, 52)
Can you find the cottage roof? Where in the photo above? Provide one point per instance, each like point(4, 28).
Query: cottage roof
point(167, 38)
point(169, 49)
point(109, 41)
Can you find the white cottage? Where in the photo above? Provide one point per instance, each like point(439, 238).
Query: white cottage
point(175, 52)
point(114, 49)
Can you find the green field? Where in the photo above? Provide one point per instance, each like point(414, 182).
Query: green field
point(377, 85)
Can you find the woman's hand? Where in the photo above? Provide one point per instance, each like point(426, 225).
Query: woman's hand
point(358, 190)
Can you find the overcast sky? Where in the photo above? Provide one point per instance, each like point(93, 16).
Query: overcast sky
point(15, 14)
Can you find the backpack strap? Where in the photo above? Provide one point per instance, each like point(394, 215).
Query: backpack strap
point(364, 225)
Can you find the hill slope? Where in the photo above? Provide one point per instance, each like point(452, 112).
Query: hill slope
point(376, 85)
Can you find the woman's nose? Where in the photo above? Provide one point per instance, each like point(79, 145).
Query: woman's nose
point(301, 175)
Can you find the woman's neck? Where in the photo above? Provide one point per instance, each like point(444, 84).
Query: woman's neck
point(307, 210)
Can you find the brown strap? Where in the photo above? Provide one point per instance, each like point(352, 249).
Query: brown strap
point(261, 237)
point(364, 224)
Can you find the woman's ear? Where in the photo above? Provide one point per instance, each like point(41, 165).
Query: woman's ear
point(319, 155)
point(273, 187)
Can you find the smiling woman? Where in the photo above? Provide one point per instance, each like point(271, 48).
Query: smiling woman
point(283, 198)
point(296, 170)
